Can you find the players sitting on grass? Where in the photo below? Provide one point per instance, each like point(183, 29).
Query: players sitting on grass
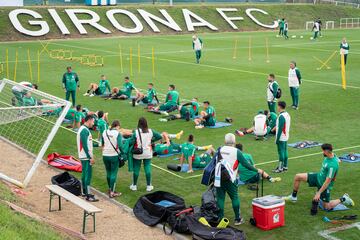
point(19, 92)
point(264, 124)
point(247, 176)
point(168, 147)
point(188, 154)
point(207, 118)
point(172, 101)
point(187, 111)
point(323, 180)
point(98, 89)
point(124, 93)
point(148, 99)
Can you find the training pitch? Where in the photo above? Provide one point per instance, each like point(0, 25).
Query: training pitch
point(236, 87)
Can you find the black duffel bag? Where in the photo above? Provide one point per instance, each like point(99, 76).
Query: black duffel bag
point(67, 182)
point(177, 221)
point(149, 212)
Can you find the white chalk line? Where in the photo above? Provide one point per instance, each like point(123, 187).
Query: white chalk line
point(327, 233)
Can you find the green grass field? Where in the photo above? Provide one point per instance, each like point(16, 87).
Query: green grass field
point(236, 88)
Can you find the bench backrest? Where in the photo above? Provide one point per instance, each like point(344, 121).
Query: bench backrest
point(88, 207)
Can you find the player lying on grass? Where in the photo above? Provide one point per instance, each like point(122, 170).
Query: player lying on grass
point(323, 180)
point(29, 100)
point(148, 99)
point(188, 153)
point(172, 101)
point(263, 125)
point(207, 117)
point(166, 146)
point(98, 89)
point(124, 93)
point(247, 176)
point(20, 91)
point(187, 111)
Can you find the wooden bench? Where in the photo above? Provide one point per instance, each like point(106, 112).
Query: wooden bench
point(89, 209)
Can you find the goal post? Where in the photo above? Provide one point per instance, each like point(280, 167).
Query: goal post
point(29, 120)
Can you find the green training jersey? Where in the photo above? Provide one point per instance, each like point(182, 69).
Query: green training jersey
point(164, 149)
point(151, 93)
point(172, 97)
point(281, 24)
point(212, 115)
point(79, 116)
point(271, 121)
point(103, 85)
point(127, 88)
point(246, 174)
point(70, 81)
point(194, 110)
point(29, 101)
point(70, 115)
point(188, 150)
point(102, 125)
point(329, 169)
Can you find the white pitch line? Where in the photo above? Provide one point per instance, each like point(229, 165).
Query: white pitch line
point(307, 155)
point(165, 170)
point(327, 233)
point(216, 67)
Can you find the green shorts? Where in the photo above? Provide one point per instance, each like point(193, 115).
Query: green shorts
point(167, 106)
point(183, 112)
point(145, 100)
point(313, 182)
point(209, 123)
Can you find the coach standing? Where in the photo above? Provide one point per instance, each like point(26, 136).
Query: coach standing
point(70, 82)
point(344, 49)
point(294, 78)
point(197, 45)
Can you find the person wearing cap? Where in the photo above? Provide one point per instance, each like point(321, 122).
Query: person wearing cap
point(197, 45)
point(344, 49)
point(226, 179)
point(294, 79)
point(70, 82)
point(208, 117)
point(271, 92)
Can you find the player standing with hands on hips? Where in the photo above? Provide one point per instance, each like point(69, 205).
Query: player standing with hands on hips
point(70, 82)
point(197, 46)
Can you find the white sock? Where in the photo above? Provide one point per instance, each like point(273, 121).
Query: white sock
point(172, 135)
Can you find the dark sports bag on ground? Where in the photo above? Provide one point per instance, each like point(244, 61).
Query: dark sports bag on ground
point(209, 209)
point(67, 182)
point(177, 221)
point(202, 232)
point(156, 207)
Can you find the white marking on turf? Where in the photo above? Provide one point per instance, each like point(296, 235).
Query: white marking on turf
point(327, 233)
point(217, 67)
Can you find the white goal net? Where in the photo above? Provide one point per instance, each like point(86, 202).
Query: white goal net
point(29, 120)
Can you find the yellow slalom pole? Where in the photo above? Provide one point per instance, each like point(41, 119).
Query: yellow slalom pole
point(7, 63)
point(29, 63)
point(153, 61)
point(38, 66)
point(235, 48)
point(250, 48)
point(139, 61)
point(267, 50)
point(121, 59)
point(130, 61)
point(343, 73)
point(16, 62)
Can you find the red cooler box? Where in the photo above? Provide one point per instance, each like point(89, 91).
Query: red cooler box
point(268, 212)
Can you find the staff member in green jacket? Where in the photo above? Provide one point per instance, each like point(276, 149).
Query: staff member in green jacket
point(111, 140)
point(85, 152)
point(70, 82)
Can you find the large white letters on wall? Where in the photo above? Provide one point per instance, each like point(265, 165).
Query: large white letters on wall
point(192, 20)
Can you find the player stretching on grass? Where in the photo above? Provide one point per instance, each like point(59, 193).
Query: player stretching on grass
point(70, 82)
point(185, 112)
point(85, 151)
point(208, 117)
point(124, 93)
point(282, 136)
point(172, 102)
point(188, 150)
point(197, 45)
point(148, 98)
point(98, 89)
point(323, 181)
point(261, 126)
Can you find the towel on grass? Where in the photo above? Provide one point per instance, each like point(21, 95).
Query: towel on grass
point(304, 144)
